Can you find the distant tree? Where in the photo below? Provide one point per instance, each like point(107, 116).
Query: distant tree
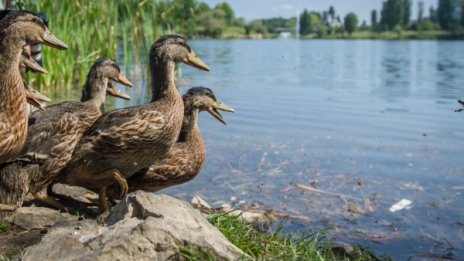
point(433, 15)
point(392, 14)
point(325, 17)
point(351, 22)
point(272, 24)
point(227, 9)
point(202, 7)
point(462, 13)
point(364, 26)
point(304, 23)
point(420, 11)
point(332, 12)
point(374, 19)
point(315, 23)
point(256, 26)
point(449, 14)
point(406, 12)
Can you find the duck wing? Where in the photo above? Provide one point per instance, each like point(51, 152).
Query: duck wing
point(125, 131)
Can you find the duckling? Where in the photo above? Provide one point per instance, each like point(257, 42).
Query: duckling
point(53, 135)
point(17, 29)
point(124, 141)
point(187, 156)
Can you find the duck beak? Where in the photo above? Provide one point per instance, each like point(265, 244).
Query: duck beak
point(193, 60)
point(123, 80)
point(32, 65)
point(219, 106)
point(113, 91)
point(35, 98)
point(51, 40)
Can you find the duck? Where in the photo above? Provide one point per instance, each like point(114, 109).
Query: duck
point(53, 134)
point(17, 29)
point(187, 156)
point(33, 97)
point(123, 141)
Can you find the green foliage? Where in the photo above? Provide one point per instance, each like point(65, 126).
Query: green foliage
point(272, 24)
point(310, 22)
point(392, 14)
point(407, 12)
point(91, 29)
point(227, 10)
point(256, 27)
point(449, 14)
point(351, 22)
point(420, 11)
point(5, 226)
point(374, 18)
point(304, 23)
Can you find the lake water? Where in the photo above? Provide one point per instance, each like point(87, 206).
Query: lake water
point(368, 123)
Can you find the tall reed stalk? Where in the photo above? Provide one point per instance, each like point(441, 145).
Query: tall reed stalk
point(92, 29)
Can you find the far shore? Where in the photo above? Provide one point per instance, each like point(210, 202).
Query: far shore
point(359, 35)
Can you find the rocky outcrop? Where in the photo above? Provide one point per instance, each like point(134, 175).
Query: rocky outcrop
point(143, 226)
point(29, 218)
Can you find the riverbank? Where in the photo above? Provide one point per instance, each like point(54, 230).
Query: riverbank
point(239, 33)
point(49, 234)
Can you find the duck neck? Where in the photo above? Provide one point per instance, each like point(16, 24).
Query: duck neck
point(94, 91)
point(10, 77)
point(190, 131)
point(163, 80)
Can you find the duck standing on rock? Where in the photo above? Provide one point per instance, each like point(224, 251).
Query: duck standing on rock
point(53, 135)
point(124, 141)
point(17, 29)
point(187, 156)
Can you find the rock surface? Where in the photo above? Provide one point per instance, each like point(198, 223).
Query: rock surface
point(30, 218)
point(143, 226)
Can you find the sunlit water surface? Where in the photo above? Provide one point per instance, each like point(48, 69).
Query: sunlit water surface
point(366, 122)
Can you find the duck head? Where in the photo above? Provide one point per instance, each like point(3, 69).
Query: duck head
point(203, 99)
point(29, 27)
point(175, 48)
point(106, 68)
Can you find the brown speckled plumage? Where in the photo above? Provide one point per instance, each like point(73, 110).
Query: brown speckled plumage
point(53, 135)
point(17, 29)
point(124, 141)
point(187, 156)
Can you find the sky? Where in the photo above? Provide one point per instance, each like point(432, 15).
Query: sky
point(254, 9)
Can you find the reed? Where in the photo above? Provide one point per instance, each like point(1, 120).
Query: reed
point(92, 29)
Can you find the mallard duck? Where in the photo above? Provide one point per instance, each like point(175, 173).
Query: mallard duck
point(126, 140)
point(187, 156)
point(33, 97)
point(17, 29)
point(53, 135)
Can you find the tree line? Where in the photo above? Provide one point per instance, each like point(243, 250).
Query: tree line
point(395, 15)
point(194, 18)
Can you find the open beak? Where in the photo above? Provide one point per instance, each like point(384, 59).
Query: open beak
point(214, 111)
point(193, 60)
point(123, 80)
point(113, 91)
point(51, 40)
point(35, 98)
point(32, 65)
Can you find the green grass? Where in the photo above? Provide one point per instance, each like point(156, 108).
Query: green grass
point(5, 226)
point(273, 246)
point(91, 29)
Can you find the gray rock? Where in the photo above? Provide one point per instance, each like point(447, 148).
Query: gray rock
point(38, 217)
point(143, 226)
